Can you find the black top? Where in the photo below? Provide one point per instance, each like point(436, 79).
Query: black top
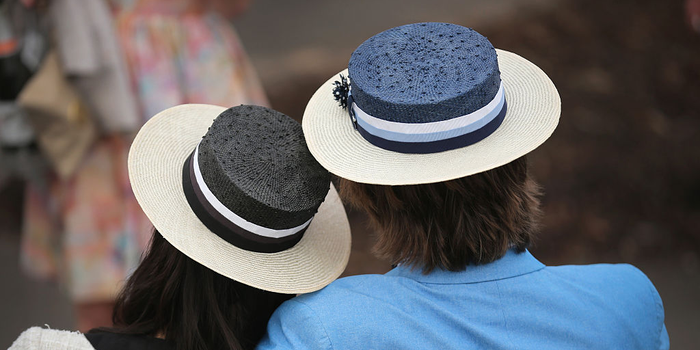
point(116, 341)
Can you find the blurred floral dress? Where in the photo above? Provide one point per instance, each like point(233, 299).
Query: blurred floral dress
point(89, 232)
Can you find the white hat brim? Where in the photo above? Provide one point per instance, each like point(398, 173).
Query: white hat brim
point(533, 113)
point(156, 159)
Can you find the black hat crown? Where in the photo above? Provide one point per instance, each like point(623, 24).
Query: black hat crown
point(266, 185)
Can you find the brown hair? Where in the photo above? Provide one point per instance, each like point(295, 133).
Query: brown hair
point(193, 306)
point(451, 224)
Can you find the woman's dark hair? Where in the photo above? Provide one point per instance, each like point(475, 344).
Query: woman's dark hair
point(192, 306)
point(451, 224)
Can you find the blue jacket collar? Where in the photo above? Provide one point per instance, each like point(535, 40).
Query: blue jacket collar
point(510, 265)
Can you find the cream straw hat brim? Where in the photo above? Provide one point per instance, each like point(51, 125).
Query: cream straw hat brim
point(156, 159)
point(533, 113)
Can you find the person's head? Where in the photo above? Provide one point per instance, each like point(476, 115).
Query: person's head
point(245, 217)
point(430, 125)
point(170, 294)
point(451, 224)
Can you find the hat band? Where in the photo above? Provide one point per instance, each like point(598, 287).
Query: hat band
point(433, 137)
point(228, 225)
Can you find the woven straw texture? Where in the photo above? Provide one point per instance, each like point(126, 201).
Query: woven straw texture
point(37, 338)
point(155, 171)
point(424, 72)
point(533, 112)
point(256, 161)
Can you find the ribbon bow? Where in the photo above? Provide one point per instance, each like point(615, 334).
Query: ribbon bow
point(342, 92)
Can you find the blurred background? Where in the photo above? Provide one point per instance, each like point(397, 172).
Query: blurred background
point(621, 174)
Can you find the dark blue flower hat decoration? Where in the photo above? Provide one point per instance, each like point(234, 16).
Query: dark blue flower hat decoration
point(429, 102)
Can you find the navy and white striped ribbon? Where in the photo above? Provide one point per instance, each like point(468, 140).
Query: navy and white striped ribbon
point(434, 136)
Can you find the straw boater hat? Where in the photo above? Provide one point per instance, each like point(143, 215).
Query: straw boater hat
point(238, 191)
point(429, 102)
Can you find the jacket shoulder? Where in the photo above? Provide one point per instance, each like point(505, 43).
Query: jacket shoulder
point(350, 284)
point(313, 320)
point(37, 338)
point(622, 293)
point(613, 278)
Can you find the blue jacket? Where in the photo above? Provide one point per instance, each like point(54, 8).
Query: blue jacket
point(513, 303)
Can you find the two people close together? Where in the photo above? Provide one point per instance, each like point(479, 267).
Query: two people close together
point(427, 131)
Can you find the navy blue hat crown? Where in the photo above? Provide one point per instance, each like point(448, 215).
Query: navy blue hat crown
point(424, 88)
